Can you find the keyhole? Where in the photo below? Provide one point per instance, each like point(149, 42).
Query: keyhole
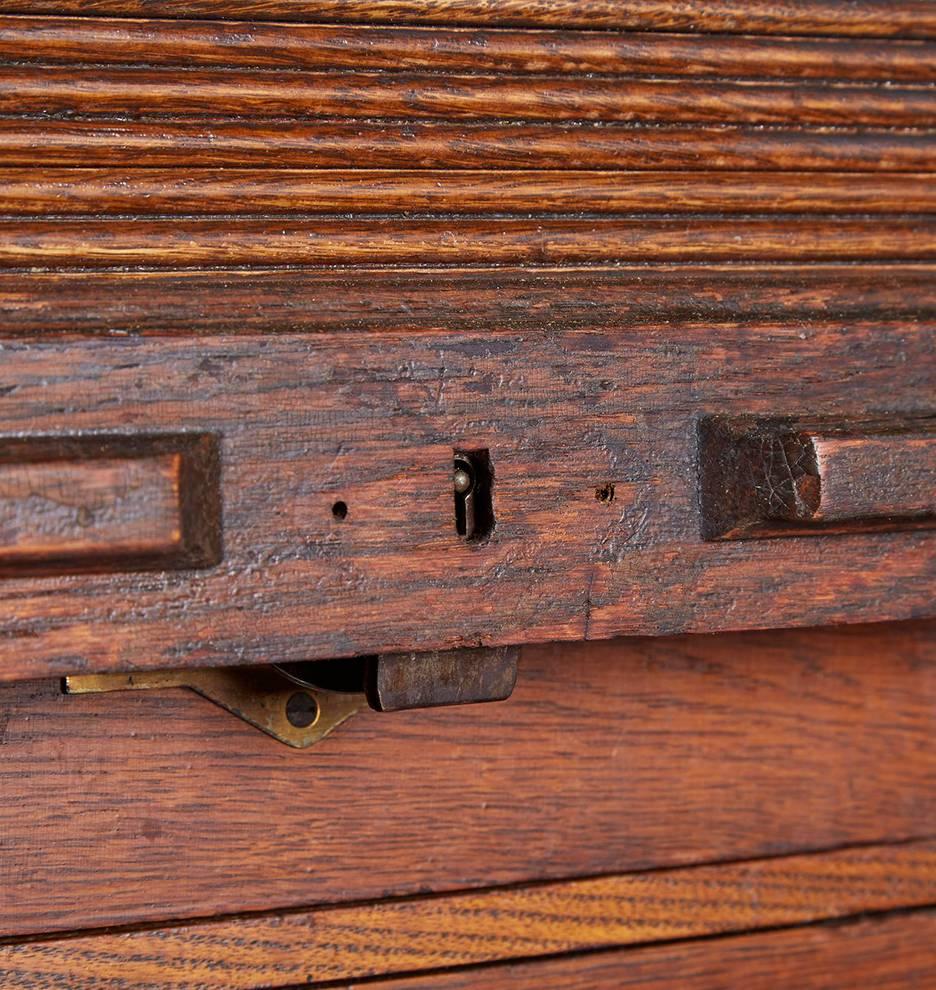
point(472, 480)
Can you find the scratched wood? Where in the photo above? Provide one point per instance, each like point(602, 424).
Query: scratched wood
point(373, 419)
point(890, 953)
point(486, 926)
point(612, 757)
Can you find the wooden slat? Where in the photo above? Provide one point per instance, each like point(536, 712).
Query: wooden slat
point(197, 92)
point(254, 44)
point(890, 953)
point(659, 297)
point(474, 927)
point(99, 192)
point(180, 243)
point(612, 757)
point(416, 144)
point(372, 420)
point(870, 18)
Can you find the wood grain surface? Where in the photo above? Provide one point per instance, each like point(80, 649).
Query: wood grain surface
point(613, 757)
point(373, 420)
point(335, 143)
point(200, 191)
point(658, 297)
point(115, 90)
point(484, 926)
point(252, 44)
point(869, 18)
point(889, 953)
point(156, 243)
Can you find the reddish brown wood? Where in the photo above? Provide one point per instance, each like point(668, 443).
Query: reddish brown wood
point(334, 143)
point(656, 297)
point(253, 44)
point(143, 191)
point(248, 242)
point(891, 953)
point(609, 757)
point(373, 420)
point(870, 18)
point(782, 477)
point(485, 926)
point(114, 90)
point(75, 505)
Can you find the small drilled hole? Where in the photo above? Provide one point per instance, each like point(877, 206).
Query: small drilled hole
point(301, 710)
point(605, 494)
point(340, 510)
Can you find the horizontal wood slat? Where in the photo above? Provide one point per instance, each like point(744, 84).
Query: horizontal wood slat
point(192, 44)
point(414, 144)
point(197, 92)
point(337, 240)
point(658, 297)
point(609, 757)
point(38, 192)
point(870, 18)
point(878, 953)
point(373, 419)
point(485, 926)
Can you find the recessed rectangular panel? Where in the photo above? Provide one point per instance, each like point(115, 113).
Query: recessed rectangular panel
point(79, 504)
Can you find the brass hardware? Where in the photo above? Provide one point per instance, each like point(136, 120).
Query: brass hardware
point(299, 704)
point(262, 696)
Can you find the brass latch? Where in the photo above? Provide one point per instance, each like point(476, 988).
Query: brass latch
point(300, 704)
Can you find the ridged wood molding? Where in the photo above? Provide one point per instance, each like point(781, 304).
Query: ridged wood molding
point(473, 927)
point(252, 44)
point(871, 18)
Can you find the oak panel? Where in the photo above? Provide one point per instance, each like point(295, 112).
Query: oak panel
point(891, 953)
point(608, 758)
point(475, 927)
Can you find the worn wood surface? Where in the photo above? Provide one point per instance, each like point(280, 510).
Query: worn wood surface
point(660, 297)
point(373, 420)
point(486, 926)
point(892, 953)
point(870, 18)
point(610, 757)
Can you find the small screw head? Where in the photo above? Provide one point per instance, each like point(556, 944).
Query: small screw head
point(463, 481)
point(301, 710)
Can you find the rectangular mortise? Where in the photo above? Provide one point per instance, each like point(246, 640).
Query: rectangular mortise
point(109, 503)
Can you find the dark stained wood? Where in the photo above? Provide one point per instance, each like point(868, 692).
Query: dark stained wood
point(115, 90)
point(142, 191)
point(611, 757)
point(892, 953)
point(656, 297)
point(421, 144)
point(869, 18)
point(249, 241)
point(252, 44)
point(781, 478)
point(373, 420)
point(77, 505)
point(485, 926)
